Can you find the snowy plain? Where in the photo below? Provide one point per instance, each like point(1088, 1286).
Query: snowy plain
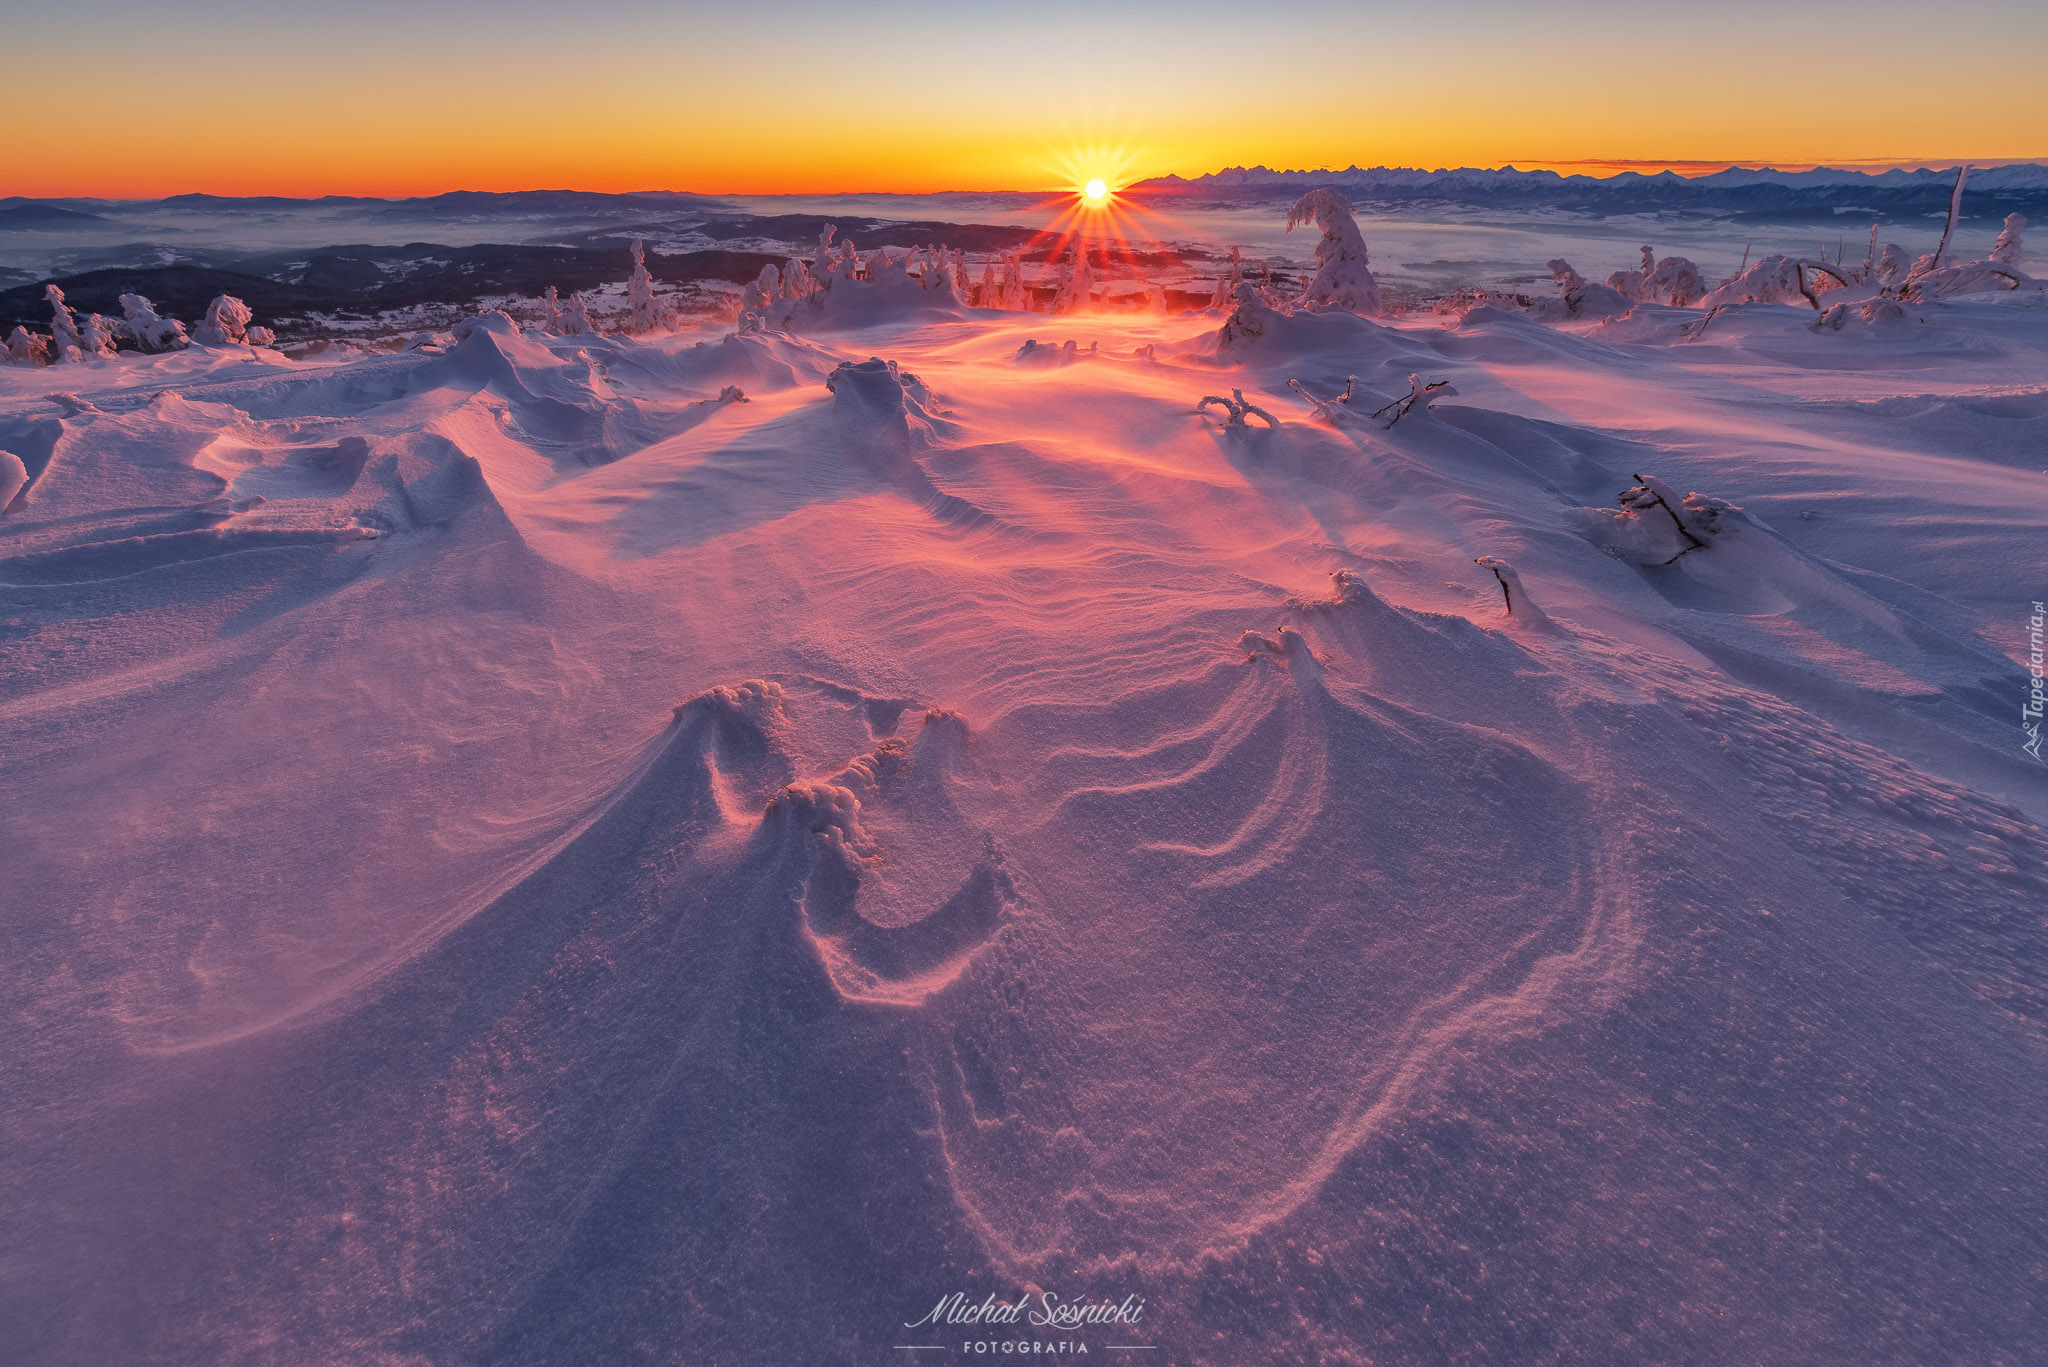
point(517, 855)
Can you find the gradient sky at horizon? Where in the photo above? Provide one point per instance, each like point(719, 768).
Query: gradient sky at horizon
point(391, 97)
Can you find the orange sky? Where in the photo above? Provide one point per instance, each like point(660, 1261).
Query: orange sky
point(294, 97)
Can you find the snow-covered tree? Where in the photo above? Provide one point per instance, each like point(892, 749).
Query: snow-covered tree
point(762, 290)
point(644, 312)
point(2007, 250)
point(575, 320)
point(1892, 265)
point(551, 310)
point(1568, 279)
point(1251, 319)
point(96, 337)
point(1226, 288)
point(63, 325)
point(27, 348)
point(151, 332)
point(1343, 278)
point(1016, 296)
point(1077, 285)
point(795, 282)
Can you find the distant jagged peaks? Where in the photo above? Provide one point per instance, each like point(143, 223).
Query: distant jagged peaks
point(1508, 183)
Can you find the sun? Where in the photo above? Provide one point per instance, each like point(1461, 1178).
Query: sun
point(1095, 194)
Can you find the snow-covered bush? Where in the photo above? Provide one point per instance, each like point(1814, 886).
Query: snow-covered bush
point(1332, 410)
point(1775, 279)
point(150, 331)
point(27, 348)
point(1235, 409)
point(1933, 277)
point(1654, 526)
point(227, 324)
point(1674, 280)
point(1419, 397)
point(1569, 279)
point(940, 271)
point(1343, 278)
point(575, 320)
point(1576, 298)
point(1253, 317)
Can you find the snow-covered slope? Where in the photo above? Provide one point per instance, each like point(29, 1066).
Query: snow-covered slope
point(515, 856)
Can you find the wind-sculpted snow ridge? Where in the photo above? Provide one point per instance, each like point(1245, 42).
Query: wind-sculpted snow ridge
point(517, 855)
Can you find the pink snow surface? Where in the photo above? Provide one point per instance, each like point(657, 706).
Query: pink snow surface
point(510, 857)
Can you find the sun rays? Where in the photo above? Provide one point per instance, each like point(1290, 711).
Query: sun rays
point(1103, 214)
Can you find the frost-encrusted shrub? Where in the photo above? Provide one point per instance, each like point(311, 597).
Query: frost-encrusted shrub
point(150, 331)
point(575, 320)
point(1674, 280)
point(227, 324)
point(1334, 410)
point(1934, 277)
point(27, 348)
point(1773, 280)
point(1419, 397)
point(1343, 278)
point(1252, 318)
point(1654, 526)
point(940, 270)
point(1576, 298)
point(1236, 409)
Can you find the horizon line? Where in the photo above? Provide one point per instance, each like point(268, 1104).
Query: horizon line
point(1690, 169)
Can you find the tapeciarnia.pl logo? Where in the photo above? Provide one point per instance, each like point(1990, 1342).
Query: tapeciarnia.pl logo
point(2030, 715)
